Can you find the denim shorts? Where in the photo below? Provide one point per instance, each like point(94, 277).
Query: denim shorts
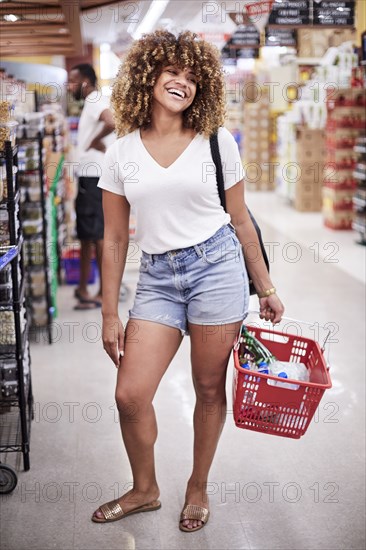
point(205, 284)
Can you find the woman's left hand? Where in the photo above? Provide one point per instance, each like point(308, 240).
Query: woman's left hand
point(271, 308)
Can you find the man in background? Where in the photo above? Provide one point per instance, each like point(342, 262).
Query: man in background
point(95, 130)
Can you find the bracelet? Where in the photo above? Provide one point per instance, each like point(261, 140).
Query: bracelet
point(266, 293)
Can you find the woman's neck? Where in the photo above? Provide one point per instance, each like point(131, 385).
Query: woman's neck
point(163, 124)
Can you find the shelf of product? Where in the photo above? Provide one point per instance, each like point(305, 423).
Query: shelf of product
point(257, 145)
point(359, 197)
point(346, 121)
point(57, 228)
point(15, 373)
point(35, 222)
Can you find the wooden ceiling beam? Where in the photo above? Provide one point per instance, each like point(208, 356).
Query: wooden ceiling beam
point(19, 26)
point(38, 11)
point(10, 5)
point(23, 51)
point(19, 41)
point(71, 11)
point(42, 33)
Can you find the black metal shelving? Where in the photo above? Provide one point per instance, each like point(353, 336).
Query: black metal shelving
point(16, 398)
point(359, 198)
point(37, 169)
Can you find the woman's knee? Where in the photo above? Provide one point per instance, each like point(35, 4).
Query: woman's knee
point(209, 391)
point(130, 402)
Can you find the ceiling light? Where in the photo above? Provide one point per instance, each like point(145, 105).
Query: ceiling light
point(153, 14)
point(11, 17)
point(63, 31)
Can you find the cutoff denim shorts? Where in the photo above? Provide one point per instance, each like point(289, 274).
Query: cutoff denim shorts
point(205, 284)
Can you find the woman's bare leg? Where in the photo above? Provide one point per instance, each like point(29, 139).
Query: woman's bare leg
point(149, 349)
point(211, 348)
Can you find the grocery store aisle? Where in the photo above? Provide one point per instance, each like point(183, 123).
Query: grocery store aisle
point(266, 492)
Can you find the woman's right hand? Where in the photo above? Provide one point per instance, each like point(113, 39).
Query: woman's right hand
point(113, 336)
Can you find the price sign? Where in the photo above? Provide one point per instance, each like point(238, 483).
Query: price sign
point(281, 37)
point(334, 13)
point(294, 13)
point(228, 54)
point(245, 36)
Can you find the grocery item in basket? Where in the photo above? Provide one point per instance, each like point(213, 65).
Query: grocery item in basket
point(282, 369)
point(253, 354)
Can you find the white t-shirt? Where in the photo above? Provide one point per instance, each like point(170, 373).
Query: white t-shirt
point(89, 126)
point(178, 206)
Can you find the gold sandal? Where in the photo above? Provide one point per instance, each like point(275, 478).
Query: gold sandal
point(112, 511)
point(193, 512)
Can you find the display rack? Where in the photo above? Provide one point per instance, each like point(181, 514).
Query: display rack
point(35, 228)
point(345, 124)
point(16, 389)
point(359, 198)
point(57, 228)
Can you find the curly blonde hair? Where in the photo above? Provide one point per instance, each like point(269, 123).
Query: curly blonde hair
point(133, 89)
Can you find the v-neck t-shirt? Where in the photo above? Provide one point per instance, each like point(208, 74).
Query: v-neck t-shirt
point(178, 206)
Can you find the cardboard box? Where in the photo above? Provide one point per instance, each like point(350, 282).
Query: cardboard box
point(338, 219)
point(310, 145)
point(305, 204)
point(311, 172)
point(312, 43)
point(334, 177)
point(337, 199)
point(345, 97)
point(308, 197)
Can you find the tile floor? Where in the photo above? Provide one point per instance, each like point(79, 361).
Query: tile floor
point(266, 492)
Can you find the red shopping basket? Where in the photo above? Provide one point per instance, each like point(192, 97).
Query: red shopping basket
point(275, 410)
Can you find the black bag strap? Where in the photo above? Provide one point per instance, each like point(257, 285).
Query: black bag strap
point(216, 157)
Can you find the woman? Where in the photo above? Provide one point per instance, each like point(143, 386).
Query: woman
point(168, 99)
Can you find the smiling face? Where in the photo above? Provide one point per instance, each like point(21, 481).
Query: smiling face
point(175, 89)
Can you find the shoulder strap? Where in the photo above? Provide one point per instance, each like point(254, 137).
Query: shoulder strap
point(215, 153)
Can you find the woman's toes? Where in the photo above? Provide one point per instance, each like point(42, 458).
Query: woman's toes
point(98, 514)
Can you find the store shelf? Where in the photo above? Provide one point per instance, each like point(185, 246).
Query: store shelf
point(14, 151)
point(308, 60)
point(359, 175)
point(15, 409)
point(8, 256)
point(10, 426)
point(359, 202)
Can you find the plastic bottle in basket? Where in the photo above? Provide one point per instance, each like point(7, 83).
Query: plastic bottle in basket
point(282, 369)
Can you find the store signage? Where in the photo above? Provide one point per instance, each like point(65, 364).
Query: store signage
point(246, 36)
point(261, 7)
point(294, 13)
point(281, 37)
point(228, 53)
point(334, 13)
point(214, 36)
point(306, 13)
point(258, 12)
point(247, 53)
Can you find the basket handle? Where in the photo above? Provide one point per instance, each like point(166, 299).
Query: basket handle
point(327, 330)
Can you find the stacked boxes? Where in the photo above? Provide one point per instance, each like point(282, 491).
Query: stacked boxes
point(310, 155)
point(345, 123)
point(257, 137)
